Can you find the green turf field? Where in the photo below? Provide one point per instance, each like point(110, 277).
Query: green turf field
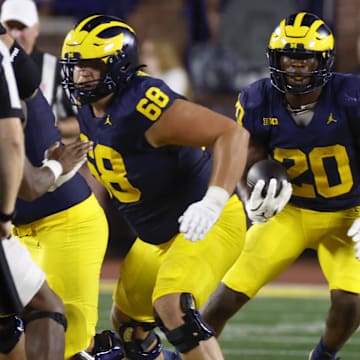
point(283, 322)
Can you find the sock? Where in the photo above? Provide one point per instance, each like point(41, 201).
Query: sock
point(171, 355)
point(323, 353)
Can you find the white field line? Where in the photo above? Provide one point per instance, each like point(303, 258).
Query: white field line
point(289, 290)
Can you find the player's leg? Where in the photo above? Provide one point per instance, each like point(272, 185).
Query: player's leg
point(71, 254)
point(45, 326)
point(12, 340)
point(223, 304)
point(35, 296)
point(12, 345)
point(342, 321)
point(133, 310)
point(132, 313)
point(188, 275)
point(138, 339)
point(269, 249)
point(185, 329)
point(342, 270)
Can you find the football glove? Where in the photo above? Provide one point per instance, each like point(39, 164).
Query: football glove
point(260, 209)
point(200, 216)
point(354, 233)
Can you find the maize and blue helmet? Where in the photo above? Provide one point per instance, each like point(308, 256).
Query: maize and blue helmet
point(304, 34)
point(103, 40)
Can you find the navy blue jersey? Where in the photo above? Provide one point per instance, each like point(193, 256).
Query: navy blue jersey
point(151, 186)
point(41, 133)
point(322, 158)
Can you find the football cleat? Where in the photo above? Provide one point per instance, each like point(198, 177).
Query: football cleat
point(106, 347)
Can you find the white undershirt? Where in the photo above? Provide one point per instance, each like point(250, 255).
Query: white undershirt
point(303, 115)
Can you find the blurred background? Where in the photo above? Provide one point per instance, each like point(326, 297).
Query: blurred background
point(207, 50)
point(220, 43)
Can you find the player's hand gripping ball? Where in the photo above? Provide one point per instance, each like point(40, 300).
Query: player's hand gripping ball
point(270, 190)
point(265, 170)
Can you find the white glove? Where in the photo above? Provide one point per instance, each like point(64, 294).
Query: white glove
point(200, 217)
point(260, 209)
point(354, 233)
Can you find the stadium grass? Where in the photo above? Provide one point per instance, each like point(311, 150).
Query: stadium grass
point(282, 322)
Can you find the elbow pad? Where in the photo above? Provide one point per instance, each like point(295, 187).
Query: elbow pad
point(27, 73)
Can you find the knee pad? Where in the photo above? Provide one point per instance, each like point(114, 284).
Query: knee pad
point(135, 349)
point(187, 336)
point(106, 347)
point(56, 316)
point(11, 329)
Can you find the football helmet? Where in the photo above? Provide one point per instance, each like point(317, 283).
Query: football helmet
point(304, 34)
point(103, 41)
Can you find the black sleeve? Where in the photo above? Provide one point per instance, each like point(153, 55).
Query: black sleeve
point(10, 105)
point(28, 76)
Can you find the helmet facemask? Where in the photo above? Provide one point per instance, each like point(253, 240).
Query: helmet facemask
point(318, 77)
point(114, 76)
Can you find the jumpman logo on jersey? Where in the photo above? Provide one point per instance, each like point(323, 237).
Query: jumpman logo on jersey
point(108, 121)
point(331, 119)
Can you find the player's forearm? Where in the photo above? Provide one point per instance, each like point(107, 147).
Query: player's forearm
point(255, 154)
point(229, 159)
point(11, 162)
point(69, 128)
point(242, 189)
point(35, 182)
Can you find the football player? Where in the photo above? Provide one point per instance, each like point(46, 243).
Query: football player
point(148, 153)
point(65, 229)
point(308, 118)
point(22, 282)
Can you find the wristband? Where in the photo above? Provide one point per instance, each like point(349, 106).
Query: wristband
point(6, 217)
point(55, 167)
point(217, 195)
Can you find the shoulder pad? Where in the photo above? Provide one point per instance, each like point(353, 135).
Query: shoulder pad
point(347, 89)
point(254, 95)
